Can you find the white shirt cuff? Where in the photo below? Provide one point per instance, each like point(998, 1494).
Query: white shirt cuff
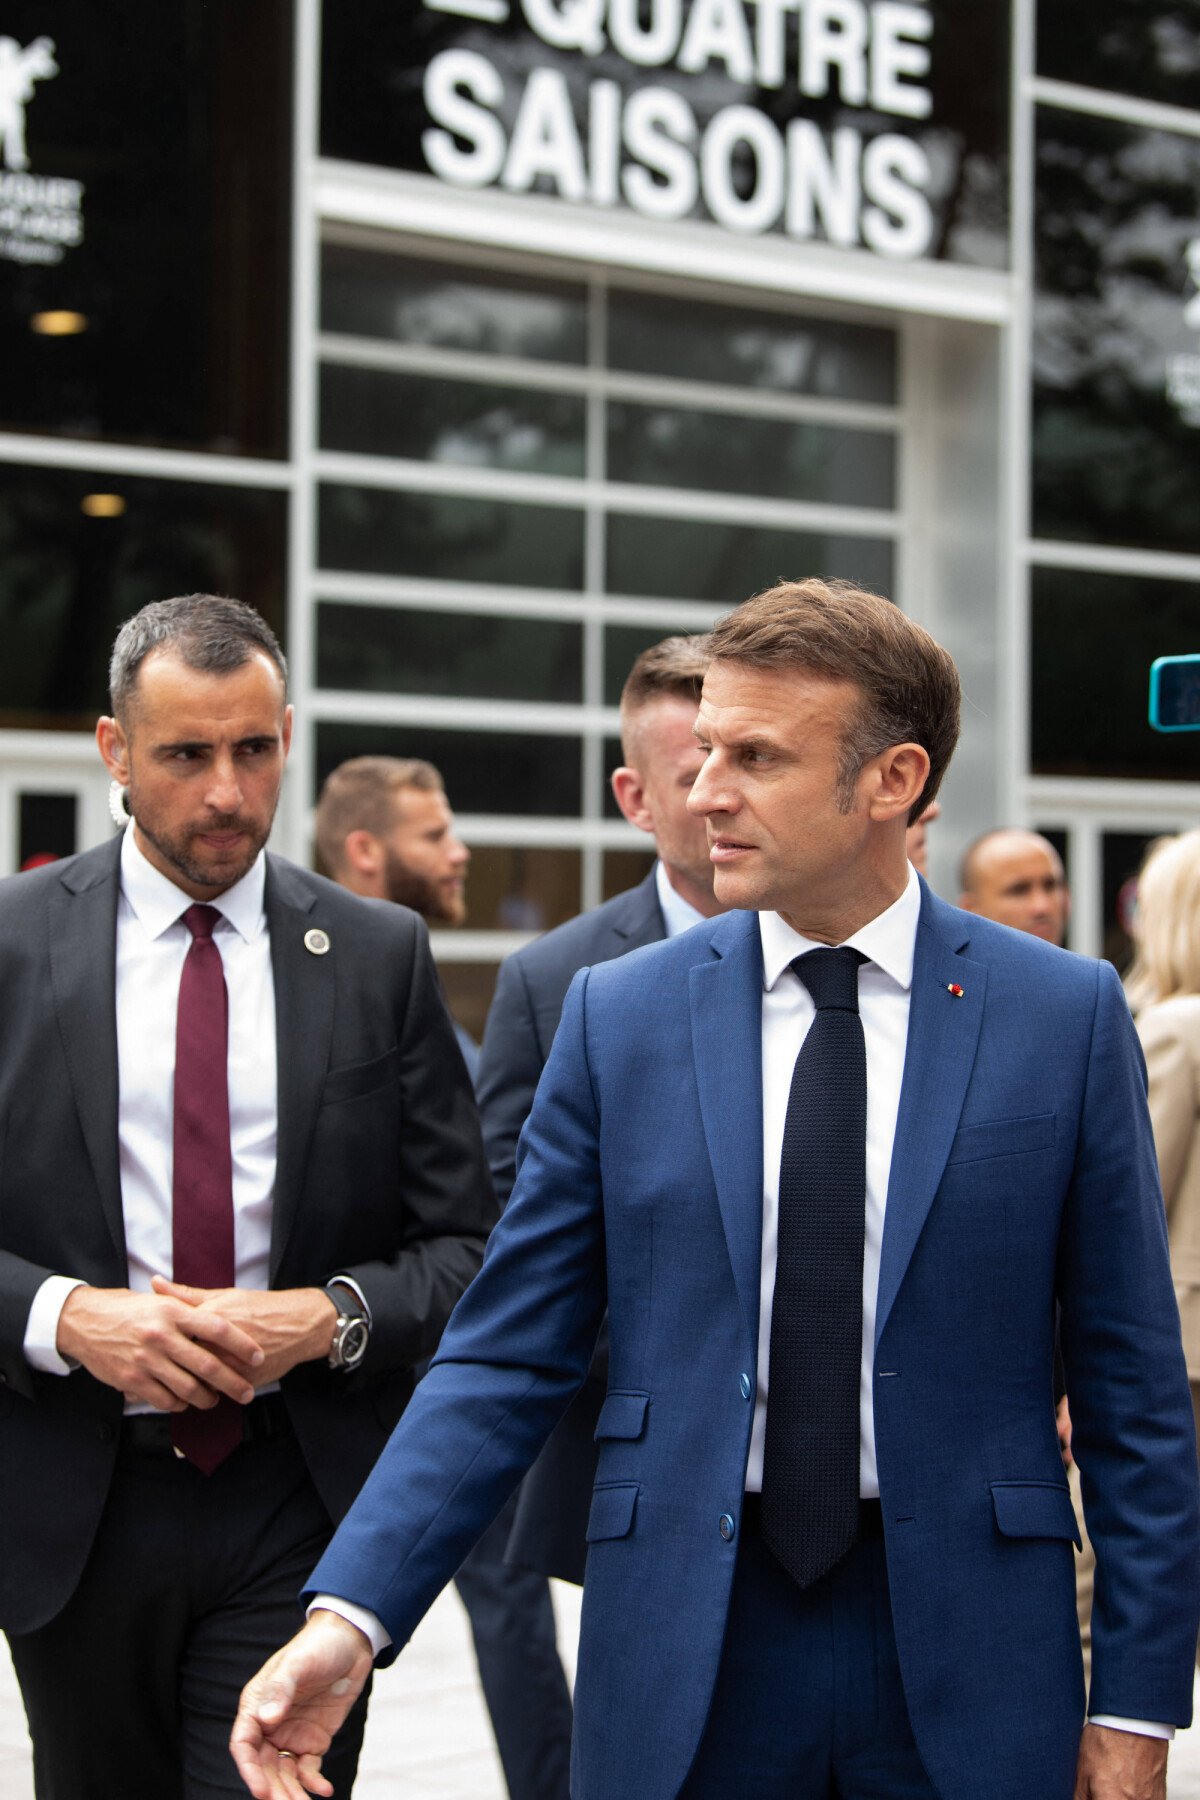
point(41, 1327)
point(348, 1281)
point(1142, 1727)
point(366, 1621)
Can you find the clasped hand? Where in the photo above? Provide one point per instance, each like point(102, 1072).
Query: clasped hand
point(182, 1346)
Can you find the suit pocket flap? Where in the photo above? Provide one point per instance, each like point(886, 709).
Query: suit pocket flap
point(1002, 1137)
point(622, 1416)
point(1034, 1509)
point(612, 1511)
point(358, 1079)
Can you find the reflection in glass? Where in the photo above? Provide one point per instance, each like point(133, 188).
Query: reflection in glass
point(449, 537)
point(776, 458)
point(68, 581)
point(494, 772)
point(1147, 48)
point(1093, 640)
point(1122, 853)
point(687, 559)
point(739, 345)
point(380, 650)
point(521, 887)
point(472, 424)
point(382, 294)
point(1116, 448)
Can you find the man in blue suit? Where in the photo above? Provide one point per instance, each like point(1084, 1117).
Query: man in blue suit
point(752, 1628)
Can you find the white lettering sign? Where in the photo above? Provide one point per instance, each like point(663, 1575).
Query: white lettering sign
point(609, 143)
point(41, 217)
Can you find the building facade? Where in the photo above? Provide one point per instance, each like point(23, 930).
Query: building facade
point(480, 343)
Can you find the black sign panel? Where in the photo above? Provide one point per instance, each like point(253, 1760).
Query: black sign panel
point(876, 124)
point(145, 169)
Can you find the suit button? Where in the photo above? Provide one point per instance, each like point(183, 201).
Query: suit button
point(106, 1432)
point(725, 1526)
point(747, 1387)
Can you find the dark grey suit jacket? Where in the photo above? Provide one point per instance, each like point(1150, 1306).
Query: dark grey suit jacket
point(552, 1512)
point(380, 1174)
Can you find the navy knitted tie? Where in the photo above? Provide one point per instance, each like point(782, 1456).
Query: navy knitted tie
point(810, 1463)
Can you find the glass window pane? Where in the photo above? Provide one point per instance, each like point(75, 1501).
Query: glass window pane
point(624, 869)
point(1137, 47)
point(652, 334)
point(670, 446)
point(449, 537)
point(1093, 640)
point(468, 987)
point(463, 422)
point(495, 772)
point(1121, 859)
point(521, 888)
point(378, 294)
point(689, 559)
point(70, 577)
point(1116, 448)
point(623, 644)
point(47, 828)
point(145, 249)
point(378, 650)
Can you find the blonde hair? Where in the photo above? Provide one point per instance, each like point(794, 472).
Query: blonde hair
point(1166, 926)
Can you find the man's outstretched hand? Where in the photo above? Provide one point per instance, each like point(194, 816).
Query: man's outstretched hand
point(291, 1709)
point(1120, 1765)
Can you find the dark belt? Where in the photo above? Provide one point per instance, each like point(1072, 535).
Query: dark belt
point(870, 1518)
point(266, 1417)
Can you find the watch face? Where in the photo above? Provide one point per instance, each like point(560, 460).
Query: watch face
point(354, 1343)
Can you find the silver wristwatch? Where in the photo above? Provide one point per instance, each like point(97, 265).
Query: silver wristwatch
point(351, 1331)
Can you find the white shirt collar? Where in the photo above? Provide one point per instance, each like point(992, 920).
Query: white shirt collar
point(889, 940)
point(159, 904)
point(678, 914)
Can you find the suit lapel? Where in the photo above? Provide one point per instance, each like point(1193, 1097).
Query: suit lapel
point(640, 921)
point(726, 1007)
point(82, 925)
point(943, 1032)
point(305, 986)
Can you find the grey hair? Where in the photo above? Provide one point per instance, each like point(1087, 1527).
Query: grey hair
point(209, 632)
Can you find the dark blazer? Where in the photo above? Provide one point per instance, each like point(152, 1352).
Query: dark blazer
point(552, 1509)
point(1023, 1168)
point(380, 1175)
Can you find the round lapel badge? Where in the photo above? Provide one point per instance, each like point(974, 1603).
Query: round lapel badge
point(316, 941)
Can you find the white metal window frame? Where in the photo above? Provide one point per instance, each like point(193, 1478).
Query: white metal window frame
point(1086, 809)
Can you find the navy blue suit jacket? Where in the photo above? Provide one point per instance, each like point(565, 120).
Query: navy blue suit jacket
point(1023, 1169)
point(552, 1511)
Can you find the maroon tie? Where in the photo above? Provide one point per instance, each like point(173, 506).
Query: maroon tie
point(202, 1188)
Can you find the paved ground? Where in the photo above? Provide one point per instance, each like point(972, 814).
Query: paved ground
point(428, 1737)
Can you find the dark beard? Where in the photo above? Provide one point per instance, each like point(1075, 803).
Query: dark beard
point(406, 888)
point(175, 852)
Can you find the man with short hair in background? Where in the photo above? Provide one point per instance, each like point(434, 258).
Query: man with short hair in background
point(384, 828)
point(1015, 876)
point(651, 787)
point(241, 1188)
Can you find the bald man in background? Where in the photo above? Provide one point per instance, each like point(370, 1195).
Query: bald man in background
point(1016, 877)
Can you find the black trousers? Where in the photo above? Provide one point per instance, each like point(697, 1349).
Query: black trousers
point(512, 1622)
point(191, 1584)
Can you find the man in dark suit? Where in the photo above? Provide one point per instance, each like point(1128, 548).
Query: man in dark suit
point(241, 1188)
point(658, 710)
point(829, 1161)
point(384, 829)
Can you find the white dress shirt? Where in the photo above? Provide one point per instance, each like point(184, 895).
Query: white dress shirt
point(678, 914)
point(884, 991)
point(152, 942)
